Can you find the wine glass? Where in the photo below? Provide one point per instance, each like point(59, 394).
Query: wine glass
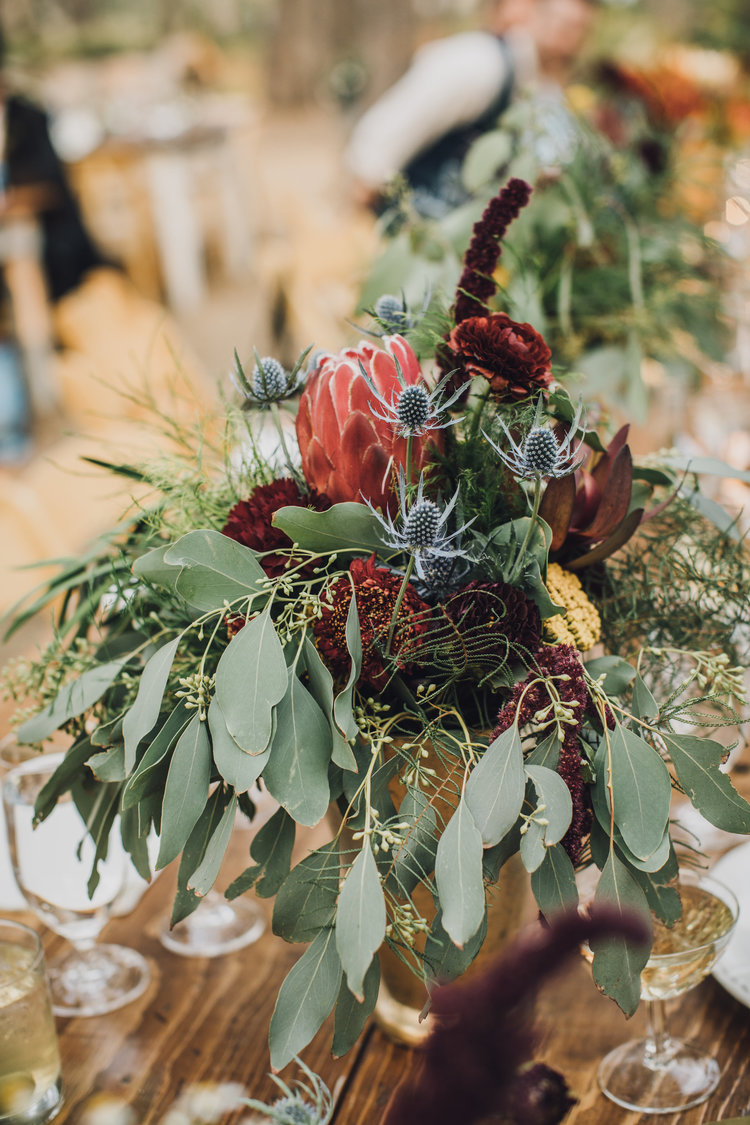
point(661, 1074)
point(52, 863)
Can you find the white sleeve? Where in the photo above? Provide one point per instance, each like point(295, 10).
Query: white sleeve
point(450, 83)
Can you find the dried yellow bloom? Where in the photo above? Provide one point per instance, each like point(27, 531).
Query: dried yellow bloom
point(580, 625)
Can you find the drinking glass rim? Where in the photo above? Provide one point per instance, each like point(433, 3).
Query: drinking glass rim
point(38, 953)
point(697, 879)
point(32, 765)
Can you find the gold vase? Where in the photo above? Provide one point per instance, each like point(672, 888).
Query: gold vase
point(403, 995)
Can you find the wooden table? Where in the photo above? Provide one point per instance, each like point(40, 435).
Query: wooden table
point(207, 1020)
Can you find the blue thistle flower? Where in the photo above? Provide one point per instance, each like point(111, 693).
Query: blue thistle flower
point(422, 532)
point(392, 313)
point(540, 455)
point(413, 410)
point(269, 379)
point(270, 382)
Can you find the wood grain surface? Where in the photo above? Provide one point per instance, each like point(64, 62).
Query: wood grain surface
point(207, 1019)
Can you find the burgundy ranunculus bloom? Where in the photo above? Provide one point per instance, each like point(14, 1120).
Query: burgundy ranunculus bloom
point(513, 357)
point(376, 590)
point(249, 521)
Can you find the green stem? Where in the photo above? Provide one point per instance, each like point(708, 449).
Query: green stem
point(478, 412)
point(397, 606)
point(407, 467)
point(518, 564)
point(276, 415)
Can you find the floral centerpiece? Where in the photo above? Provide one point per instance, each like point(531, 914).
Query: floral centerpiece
point(455, 614)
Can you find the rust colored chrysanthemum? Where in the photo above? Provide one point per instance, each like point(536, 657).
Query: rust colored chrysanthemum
point(512, 357)
point(249, 521)
point(376, 590)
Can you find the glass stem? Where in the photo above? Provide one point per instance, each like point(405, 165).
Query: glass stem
point(657, 1037)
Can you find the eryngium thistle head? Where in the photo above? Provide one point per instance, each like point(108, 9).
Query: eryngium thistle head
point(392, 313)
point(269, 380)
point(422, 525)
point(413, 409)
point(541, 451)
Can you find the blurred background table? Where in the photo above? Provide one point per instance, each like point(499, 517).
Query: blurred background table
point(206, 1020)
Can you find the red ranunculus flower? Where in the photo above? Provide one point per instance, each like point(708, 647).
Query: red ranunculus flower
point(249, 521)
point(347, 452)
point(513, 357)
point(376, 590)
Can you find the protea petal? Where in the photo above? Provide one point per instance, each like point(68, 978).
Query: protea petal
point(603, 467)
point(346, 451)
point(557, 508)
point(615, 498)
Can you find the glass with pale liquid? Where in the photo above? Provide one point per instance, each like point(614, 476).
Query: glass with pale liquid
point(661, 1074)
point(30, 1087)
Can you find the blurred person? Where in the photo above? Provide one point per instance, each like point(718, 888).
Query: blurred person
point(455, 90)
point(35, 183)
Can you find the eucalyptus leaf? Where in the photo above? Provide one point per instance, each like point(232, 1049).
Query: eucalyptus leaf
point(414, 859)
point(360, 919)
point(351, 1015)
point(297, 770)
point(305, 999)
point(186, 789)
point(342, 705)
point(458, 874)
point(644, 704)
point(696, 762)
point(216, 570)
point(109, 765)
point(348, 528)
point(444, 961)
point(532, 846)
point(554, 882)
point(240, 770)
point(546, 752)
point(306, 900)
point(642, 788)
point(617, 964)
point(618, 673)
point(206, 874)
point(153, 568)
point(148, 773)
point(188, 898)
point(142, 716)
point(72, 700)
point(554, 794)
point(496, 786)
point(251, 678)
point(63, 778)
point(134, 844)
point(271, 848)
point(321, 689)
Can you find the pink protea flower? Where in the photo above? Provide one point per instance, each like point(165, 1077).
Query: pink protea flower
point(348, 451)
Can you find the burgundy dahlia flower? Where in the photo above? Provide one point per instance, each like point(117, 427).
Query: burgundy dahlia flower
point(249, 521)
point(512, 357)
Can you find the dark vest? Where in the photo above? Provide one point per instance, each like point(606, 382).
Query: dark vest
point(434, 174)
point(68, 249)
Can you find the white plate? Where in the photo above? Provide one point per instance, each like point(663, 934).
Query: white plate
point(733, 968)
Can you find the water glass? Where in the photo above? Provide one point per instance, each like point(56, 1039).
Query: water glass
point(30, 1087)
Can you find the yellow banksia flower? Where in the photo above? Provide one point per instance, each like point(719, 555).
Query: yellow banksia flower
point(580, 625)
